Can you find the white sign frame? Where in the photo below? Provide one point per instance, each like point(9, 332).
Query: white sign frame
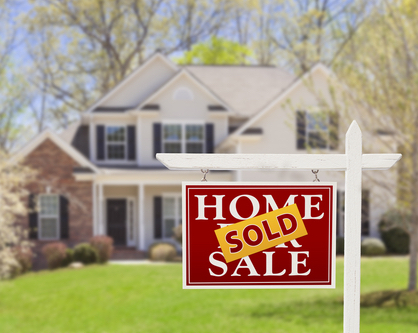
point(352, 162)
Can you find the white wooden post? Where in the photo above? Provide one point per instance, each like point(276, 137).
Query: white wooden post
point(141, 218)
point(352, 162)
point(352, 229)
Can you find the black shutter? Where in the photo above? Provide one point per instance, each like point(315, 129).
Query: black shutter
point(33, 217)
point(100, 142)
point(64, 220)
point(209, 138)
point(131, 143)
point(301, 129)
point(158, 217)
point(333, 131)
point(157, 138)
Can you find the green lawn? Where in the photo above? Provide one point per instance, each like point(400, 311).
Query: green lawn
point(149, 298)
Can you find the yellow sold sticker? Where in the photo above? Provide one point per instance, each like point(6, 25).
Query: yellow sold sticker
point(260, 232)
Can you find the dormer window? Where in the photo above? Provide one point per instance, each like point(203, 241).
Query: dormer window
point(116, 142)
point(183, 94)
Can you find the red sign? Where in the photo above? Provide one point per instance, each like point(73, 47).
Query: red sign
point(305, 262)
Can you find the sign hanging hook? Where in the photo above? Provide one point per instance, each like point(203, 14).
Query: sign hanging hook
point(315, 172)
point(205, 172)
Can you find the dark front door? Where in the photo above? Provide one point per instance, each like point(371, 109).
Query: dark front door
point(116, 220)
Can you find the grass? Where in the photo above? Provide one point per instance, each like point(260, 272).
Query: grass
point(149, 298)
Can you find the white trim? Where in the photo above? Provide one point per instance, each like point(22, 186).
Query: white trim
point(67, 148)
point(280, 97)
point(125, 144)
point(181, 73)
point(141, 217)
point(130, 77)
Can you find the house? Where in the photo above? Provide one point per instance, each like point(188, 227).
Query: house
point(100, 176)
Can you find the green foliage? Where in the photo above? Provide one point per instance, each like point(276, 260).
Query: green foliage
point(85, 253)
point(340, 245)
point(55, 254)
point(103, 246)
point(217, 51)
point(69, 258)
point(396, 240)
point(389, 298)
point(372, 247)
point(162, 251)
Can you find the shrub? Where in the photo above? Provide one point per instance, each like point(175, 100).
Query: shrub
point(396, 240)
point(24, 258)
point(340, 245)
point(69, 257)
point(103, 246)
point(372, 247)
point(162, 252)
point(55, 254)
point(85, 253)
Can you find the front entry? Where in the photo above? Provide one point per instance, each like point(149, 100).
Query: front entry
point(116, 220)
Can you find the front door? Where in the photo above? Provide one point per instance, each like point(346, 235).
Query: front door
point(116, 220)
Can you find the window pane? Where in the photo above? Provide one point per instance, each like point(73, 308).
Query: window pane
point(317, 121)
point(317, 140)
point(48, 204)
point(194, 147)
point(194, 132)
point(115, 152)
point(169, 207)
point(115, 134)
point(172, 132)
point(168, 228)
point(49, 227)
point(172, 147)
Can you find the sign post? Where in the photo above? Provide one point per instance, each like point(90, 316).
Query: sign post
point(352, 162)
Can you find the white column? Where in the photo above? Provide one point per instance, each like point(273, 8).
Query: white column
point(352, 243)
point(138, 141)
point(94, 209)
point(141, 217)
point(101, 226)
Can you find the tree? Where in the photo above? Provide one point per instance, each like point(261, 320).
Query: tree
point(217, 51)
point(379, 67)
point(13, 237)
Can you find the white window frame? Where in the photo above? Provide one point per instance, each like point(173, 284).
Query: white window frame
point(177, 94)
point(177, 212)
point(326, 132)
point(41, 216)
point(183, 141)
point(125, 144)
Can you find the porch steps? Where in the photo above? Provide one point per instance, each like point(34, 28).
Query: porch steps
point(128, 253)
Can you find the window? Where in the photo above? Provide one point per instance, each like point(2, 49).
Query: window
point(171, 214)
point(49, 216)
point(183, 94)
point(116, 142)
point(183, 138)
point(317, 130)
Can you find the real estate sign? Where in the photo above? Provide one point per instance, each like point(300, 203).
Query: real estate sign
point(268, 235)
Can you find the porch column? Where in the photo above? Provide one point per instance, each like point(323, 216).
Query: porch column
point(94, 208)
point(141, 217)
point(101, 224)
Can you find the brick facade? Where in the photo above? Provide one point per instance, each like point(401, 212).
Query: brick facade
point(55, 171)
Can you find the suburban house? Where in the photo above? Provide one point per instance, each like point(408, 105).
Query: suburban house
point(100, 175)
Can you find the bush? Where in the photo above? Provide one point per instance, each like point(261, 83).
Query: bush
point(24, 258)
point(85, 253)
point(162, 252)
point(55, 254)
point(103, 246)
point(340, 245)
point(69, 257)
point(396, 240)
point(372, 247)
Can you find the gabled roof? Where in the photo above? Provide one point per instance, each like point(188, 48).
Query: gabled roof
point(245, 88)
point(185, 73)
point(126, 80)
point(280, 97)
point(67, 148)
